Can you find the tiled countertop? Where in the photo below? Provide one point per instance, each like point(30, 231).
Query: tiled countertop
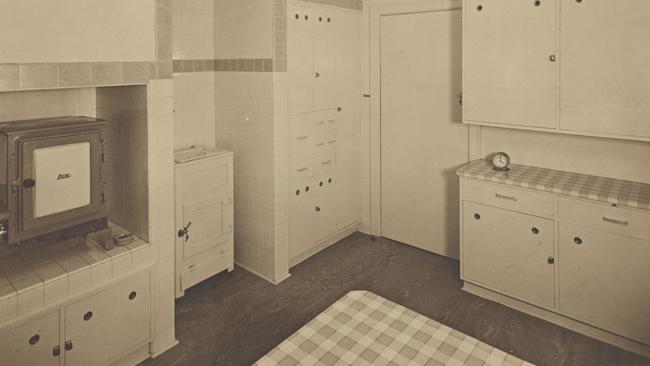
point(615, 191)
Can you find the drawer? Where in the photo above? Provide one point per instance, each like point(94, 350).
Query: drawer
point(210, 265)
point(605, 217)
point(498, 195)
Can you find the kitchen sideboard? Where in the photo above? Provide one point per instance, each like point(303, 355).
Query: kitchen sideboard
point(570, 248)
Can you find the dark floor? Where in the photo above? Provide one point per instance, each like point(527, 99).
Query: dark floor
point(235, 318)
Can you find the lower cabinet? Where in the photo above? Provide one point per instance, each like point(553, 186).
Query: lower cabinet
point(509, 252)
point(605, 280)
point(98, 329)
point(104, 326)
point(33, 344)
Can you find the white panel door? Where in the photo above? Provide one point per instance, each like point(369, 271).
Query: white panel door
point(348, 126)
point(325, 45)
point(605, 280)
point(422, 139)
point(301, 217)
point(508, 75)
point(606, 67)
point(509, 252)
point(300, 59)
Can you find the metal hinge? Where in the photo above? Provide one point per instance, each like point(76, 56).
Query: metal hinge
point(460, 98)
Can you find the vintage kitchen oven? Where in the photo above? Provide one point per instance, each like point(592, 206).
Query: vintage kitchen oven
point(52, 176)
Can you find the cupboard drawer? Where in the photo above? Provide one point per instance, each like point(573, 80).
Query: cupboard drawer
point(605, 217)
point(217, 261)
point(503, 196)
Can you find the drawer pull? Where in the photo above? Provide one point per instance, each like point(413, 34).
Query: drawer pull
point(132, 295)
point(535, 230)
point(511, 198)
point(88, 316)
point(325, 162)
point(302, 138)
point(320, 144)
point(577, 240)
point(550, 260)
point(303, 169)
point(68, 345)
point(477, 216)
point(34, 339)
point(56, 351)
point(615, 221)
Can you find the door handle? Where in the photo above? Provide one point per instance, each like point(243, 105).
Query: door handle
point(502, 196)
point(68, 345)
point(185, 231)
point(615, 221)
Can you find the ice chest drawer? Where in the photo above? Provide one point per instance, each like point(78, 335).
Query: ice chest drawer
point(507, 197)
point(628, 222)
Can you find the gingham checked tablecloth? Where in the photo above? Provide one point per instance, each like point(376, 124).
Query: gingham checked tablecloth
point(608, 190)
point(365, 329)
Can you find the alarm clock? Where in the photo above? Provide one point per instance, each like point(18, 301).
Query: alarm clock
point(501, 161)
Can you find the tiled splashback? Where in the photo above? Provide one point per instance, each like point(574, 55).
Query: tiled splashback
point(252, 65)
point(21, 105)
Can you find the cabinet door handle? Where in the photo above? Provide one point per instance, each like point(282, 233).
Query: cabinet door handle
point(535, 230)
point(550, 260)
point(34, 339)
point(615, 221)
point(56, 351)
point(552, 58)
point(317, 74)
point(577, 240)
point(477, 216)
point(132, 295)
point(88, 316)
point(68, 345)
point(317, 209)
point(502, 196)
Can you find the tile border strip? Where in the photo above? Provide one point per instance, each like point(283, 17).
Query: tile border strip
point(237, 65)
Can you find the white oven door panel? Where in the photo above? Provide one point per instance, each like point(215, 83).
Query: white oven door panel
point(62, 176)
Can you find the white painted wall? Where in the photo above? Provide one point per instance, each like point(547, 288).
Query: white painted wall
point(76, 30)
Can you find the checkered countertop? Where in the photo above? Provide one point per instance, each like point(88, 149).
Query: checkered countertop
point(365, 329)
point(609, 190)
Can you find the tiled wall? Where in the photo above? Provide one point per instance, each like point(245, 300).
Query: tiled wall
point(46, 103)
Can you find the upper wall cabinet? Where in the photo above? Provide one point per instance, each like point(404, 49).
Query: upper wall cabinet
point(510, 69)
point(605, 67)
point(311, 58)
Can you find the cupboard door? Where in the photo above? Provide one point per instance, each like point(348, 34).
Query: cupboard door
point(508, 73)
point(300, 59)
point(325, 45)
point(605, 280)
point(301, 218)
point(325, 209)
point(34, 343)
point(509, 252)
point(105, 326)
point(348, 127)
point(605, 77)
point(211, 223)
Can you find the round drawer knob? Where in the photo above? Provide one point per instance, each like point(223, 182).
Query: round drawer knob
point(34, 339)
point(297, 192)
point(307, 189)
point(537, 3)
point(535, 230)
point(477, 216)
point(550, 260)
point(132, 295)
point(479, 8)
point(88, 316)
point(577, 240)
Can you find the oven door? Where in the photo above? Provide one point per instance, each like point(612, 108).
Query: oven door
point(61, 182)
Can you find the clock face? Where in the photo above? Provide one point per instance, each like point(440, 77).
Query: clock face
point(501, 161)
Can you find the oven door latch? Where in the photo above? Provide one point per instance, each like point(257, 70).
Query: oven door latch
point(185, 231)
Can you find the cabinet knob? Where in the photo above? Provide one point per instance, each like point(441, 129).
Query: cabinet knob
point(56, 351)
point(535, 230)
point(479, 8)
point(306, 17)
point(577, 240)
point(550, 260)
point(477, 216)
point(297, 16)
point(338, 109)
point(132, 295)
point(68, 345)
point(317, 74)
point(34, 339)
point(297, 192)
point(307, 189)
point(317, 209)
point(88, 316)
point(553, 58)
point(320, 19)
point(537, 3)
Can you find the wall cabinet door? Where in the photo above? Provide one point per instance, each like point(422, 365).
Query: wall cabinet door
point(509, 252)
point(326, 42)
point(301, 217)
point(605, 280)
point(34, 343)
point(104, 326)
point(300, 59)
point(605, 76)
point(509, 76)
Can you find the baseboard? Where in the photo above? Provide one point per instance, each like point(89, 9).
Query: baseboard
point(274, 282)
point(132, 358)
point(324, 243)
point(563, 321)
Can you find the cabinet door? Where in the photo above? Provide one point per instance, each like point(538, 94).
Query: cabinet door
point(605, 67)
point(348, 126)
point(105, 326)
point(301, 218)
point(508, 75)
point(605, 280)
point(326, 202)
point(325, 45)
point(32, 344)
point(509, 252)
point(300, 59)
